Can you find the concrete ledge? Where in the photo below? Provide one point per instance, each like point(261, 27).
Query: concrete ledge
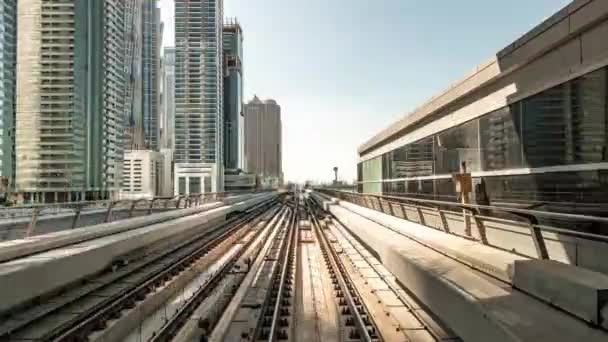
point(24, 279)
point(579, 291)
point(476, 307)
point(13, 249)
point(490, 260)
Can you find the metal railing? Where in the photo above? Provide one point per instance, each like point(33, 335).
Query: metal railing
point(474, 215)
point(36, 211)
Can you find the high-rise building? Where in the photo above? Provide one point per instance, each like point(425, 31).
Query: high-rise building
point(8, 53)
point(233, 95)
point(198, 96)
point(168, 102)
point(70, 99)
point(263, 147)
point(151, 56)
point(134, 134)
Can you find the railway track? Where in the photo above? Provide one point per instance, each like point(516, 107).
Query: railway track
point(350, 302)
point(284, 270)
point(277, 310)
point(76, 313)
point(172, 327)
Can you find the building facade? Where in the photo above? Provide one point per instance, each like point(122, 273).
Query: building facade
point(263, 141)
point(8, 54)
point(198, 96)
point(168, 102)
point(70, 100)
point(142, 174)
point(134, 134)
point(151, 59)
point(233, 95)
point(531, 125)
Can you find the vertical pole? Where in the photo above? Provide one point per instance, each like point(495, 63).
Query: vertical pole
point(32, 225)
point(464, 199)
point(403, 211)
point(109, 212)
point(151, 206)
point(133, 204)
point(76, 216)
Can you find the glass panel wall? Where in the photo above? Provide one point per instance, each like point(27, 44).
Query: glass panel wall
point(500, 140)
point(372, 170)
point(563, 125)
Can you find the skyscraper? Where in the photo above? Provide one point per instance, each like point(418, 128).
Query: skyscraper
point(134, 134)
point(168, 110)
point(8, 52)
point(151, 54)
point(71, 86)
point(233, 95)
point(198, 96)
point(263, 146)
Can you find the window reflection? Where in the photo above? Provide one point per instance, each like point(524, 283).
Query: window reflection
point(500, 140)
point(457, 145)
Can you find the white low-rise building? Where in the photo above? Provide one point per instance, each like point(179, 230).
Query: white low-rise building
point(142, 174)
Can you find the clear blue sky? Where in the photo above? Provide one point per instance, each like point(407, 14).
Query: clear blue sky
point(344, 69)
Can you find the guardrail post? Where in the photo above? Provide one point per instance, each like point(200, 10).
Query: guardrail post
point(76, 216)
point(403, 211)
point(167, 200)
point(151, 206)
point(109, 212)
point(481, 229)
point(390, 208)
point(32, 225)
point(381, 205)
point(132, 209)
point(444, 222)
point(421, 219)
point(179, 202)
point(537, 237)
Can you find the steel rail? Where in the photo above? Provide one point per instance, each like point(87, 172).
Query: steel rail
point(169, 329)
point(290, 250)
point(341, 228)
point(279, 261)
point(341, 276)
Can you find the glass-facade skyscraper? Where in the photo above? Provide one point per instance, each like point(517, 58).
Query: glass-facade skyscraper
point(71, 87)
point(198, 96)
point(168, 117)
point(134, 135)
point(8, 52)
point(233, 95)
point(152, 41)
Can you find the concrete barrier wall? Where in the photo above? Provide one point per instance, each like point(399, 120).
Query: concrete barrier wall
point(24, 279)
point(510, 236)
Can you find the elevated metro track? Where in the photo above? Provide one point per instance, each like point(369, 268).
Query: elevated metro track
point(292, 267)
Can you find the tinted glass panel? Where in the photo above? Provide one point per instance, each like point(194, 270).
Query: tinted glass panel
point(500, 140)
point(456, 145)
point(372, 171)
point(545, 127)
point(589, 117)
point(412, 160)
